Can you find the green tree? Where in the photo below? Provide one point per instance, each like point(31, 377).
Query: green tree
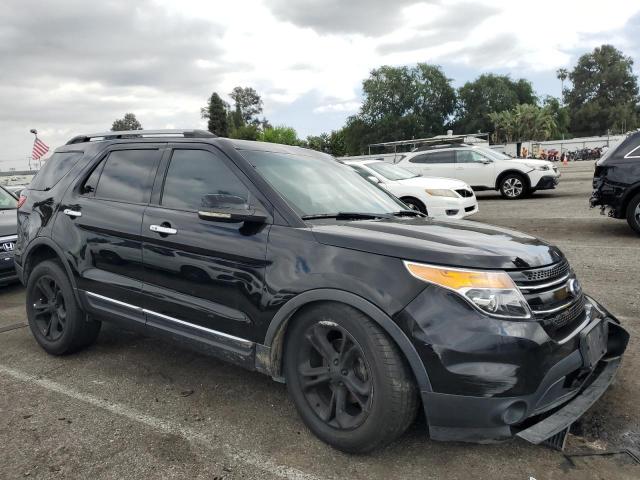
point(279, 134)
point(560, 116)
point(217, 114)
point(562, 74)
point(487, 94)
point(524, 122)
point(247, 105)
point(604, 94)
point(401, 103)
point(245, 132)
point(128, 122)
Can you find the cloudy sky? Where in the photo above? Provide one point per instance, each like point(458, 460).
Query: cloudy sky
point(73, 66)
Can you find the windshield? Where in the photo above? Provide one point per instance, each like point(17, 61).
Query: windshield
point(320, 186)
point(390, 172)
point(495, 154)
point(7, 201)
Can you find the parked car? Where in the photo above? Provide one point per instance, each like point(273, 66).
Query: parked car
point(483, 169)
point(8, 229)
point(616, 181)
point(437, 197)
point(366, 309)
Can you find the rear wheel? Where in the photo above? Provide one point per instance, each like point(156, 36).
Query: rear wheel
point(347, 379)
point(415, 204)
point(55, 319)
point(513, 186)
point(633, 213)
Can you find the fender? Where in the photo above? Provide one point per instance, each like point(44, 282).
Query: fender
point(630, 192)
point(269, 355)
point(40, 241)
point(513, 170)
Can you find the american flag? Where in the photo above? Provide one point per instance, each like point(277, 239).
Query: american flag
point(39, 149)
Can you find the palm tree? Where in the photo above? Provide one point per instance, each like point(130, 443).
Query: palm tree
point(562, 74)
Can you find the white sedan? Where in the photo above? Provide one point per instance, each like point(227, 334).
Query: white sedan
point(437, 197)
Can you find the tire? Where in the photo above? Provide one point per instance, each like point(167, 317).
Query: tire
point(415, 204)
point(633, 213)
point(55, 318)
point(513, 186)
point(370, 380)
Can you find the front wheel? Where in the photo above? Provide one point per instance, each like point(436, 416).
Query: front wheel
point(55, 319)
point(415, 204)
point(633, 213)
point(513, 186)
point(348, 380)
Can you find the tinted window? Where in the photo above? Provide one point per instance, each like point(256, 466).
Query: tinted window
point(7, 201)
point(54, 169)
point(90, 185)
point(195, 174)
point(435, 157)
point(469, 156)
point(127, 175)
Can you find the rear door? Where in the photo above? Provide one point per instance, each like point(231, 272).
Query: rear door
point(202, 277)
point(475, 169)
point(432, 164)
point(100, 223)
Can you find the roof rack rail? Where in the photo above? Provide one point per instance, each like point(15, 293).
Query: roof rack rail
point(111, 135)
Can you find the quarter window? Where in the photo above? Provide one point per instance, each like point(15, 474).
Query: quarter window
point(435, 157)
point(195, 176)
point(127, 176)
point(469, 156)
point(56, 167)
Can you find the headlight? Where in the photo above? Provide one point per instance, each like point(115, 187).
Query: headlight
point(494, 293)
point(441, 193)
point(542, 168)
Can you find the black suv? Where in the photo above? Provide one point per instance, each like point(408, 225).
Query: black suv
point(616, 181)
point(285, 261)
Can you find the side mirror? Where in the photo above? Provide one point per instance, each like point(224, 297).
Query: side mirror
point(487, 162)
point(229, 208)
point(373, 179)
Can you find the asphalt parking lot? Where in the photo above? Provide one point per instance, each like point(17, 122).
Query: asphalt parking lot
point(136, 407)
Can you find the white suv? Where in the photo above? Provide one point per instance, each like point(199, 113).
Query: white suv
point(437, 197)
point(484, 169)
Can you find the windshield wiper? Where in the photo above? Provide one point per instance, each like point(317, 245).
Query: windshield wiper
point(408, 213)
point(347, 216)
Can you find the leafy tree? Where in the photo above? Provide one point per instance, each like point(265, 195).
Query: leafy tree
point(400, 103)
point(245, 132)
point(560, 116)
point(487, 94)
point(128, 122)
point(247, 105)
point(604, 94)
point(280, 134)
point(524, 122)
point(318, 142)
point(562, 74)
point(217, 112)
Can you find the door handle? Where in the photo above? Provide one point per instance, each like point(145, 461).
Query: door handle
point(163, 230)
point(72, 213)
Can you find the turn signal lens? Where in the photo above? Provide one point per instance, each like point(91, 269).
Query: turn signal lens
point(21, 201)
point(493, 293)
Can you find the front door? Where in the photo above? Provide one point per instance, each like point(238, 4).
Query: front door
point(474, 169)
point(202, 276)
point(100, 220)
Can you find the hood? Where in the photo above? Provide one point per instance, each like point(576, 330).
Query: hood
point(8, 222)
point(434, 182)
point(530, 161)
point(452, 243)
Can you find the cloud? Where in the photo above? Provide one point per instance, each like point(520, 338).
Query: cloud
point(368, 17)
point(338, 107)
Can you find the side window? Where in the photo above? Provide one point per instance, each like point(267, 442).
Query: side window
point(56, 167)
point(435, 157)
point(127, 175)
point(198, 179)
point(469, 156)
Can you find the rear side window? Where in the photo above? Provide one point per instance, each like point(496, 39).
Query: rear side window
point(469, 156)
point(58, 165)
point(127, 176)
point(193, 175)
point(435, 157)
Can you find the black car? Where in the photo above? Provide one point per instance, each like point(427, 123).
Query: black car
point(8, 229)
point(284, 261)
point(616, 181)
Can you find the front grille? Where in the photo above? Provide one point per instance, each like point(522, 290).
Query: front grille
point(557, 308)
point(463, 192)
point(547, 273)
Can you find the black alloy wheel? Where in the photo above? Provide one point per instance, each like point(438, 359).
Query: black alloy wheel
point(334, 375)
point(50, 313)
point(633, 213)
